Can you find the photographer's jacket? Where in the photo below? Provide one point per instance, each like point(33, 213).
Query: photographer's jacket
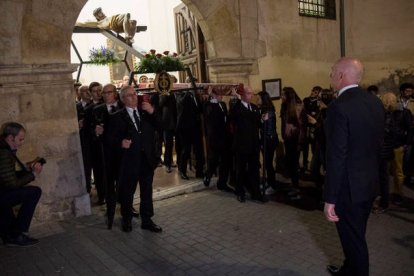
point(9, 177)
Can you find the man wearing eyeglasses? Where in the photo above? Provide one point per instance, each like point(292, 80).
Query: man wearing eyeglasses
point(131, 133)
point(100, 115)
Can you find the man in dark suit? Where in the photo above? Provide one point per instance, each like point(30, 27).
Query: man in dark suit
point(105, 174)
point(189, 132)
point(108, 170)
point(131, 133)
point(246, 147)
point(354, 132)
point(95, 89)
point(218, 140)
point(168, 120)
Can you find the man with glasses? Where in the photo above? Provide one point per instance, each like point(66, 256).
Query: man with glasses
point(131, 133)
point(107, 172)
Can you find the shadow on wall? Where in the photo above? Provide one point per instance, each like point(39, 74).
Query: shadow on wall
point(395, 79)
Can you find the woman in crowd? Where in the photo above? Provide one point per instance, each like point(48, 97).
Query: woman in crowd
point(268, 136)
point(389, 101)
point(404, 132)
point(293, 132)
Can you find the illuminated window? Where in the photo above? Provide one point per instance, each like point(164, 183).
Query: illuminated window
point(317, 8)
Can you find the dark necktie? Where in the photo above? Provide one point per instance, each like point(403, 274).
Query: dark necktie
point(249, 107)
point(113, 109)
point(137, 121)
point(222, 110)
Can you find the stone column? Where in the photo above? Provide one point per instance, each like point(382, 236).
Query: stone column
point(41, 97)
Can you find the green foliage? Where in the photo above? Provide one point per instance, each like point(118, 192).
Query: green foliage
point(155, 63)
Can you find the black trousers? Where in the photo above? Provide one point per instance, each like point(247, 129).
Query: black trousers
point(219, 158)
point(292, 161)
point(191, 137)
point(168, 144)
point(136, 172)
point(159, 139)
point(269, 153)
point(86, 156)
point(28, 197)
point(247, 174)
point(97, 154)
point(384, 183)
point(351, 228)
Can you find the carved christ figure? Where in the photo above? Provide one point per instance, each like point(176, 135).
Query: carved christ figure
point(118, 23)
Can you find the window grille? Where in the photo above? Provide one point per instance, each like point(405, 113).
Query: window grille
point(317, 8)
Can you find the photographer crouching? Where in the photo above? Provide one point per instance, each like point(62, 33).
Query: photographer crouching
point(14, 189)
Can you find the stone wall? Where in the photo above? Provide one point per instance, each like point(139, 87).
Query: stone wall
point(41, 98)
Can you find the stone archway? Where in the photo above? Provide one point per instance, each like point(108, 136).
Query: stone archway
point(231, 33)
point(36, 83)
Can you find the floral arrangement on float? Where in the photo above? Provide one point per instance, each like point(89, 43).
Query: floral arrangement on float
point(154, 62)
point(102, 56)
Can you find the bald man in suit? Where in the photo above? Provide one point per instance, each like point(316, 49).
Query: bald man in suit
point(354, 132)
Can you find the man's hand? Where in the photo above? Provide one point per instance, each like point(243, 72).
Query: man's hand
point(265, 116)
point(80, 124)
point(36, 168)
point(99, 129)
point(311, 120)
point(146, 106)
point(329, 211)
point(126, 143)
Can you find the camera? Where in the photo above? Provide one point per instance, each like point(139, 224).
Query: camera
point(40, 160)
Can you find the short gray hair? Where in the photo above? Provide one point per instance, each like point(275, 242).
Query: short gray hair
point(11, 128)
point(124, 90)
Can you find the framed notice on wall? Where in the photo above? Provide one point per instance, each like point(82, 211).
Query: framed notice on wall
point(273, 87)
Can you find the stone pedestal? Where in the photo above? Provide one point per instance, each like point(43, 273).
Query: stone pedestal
point(41, 98)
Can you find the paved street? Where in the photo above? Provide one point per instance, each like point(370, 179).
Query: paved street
point(210, 233)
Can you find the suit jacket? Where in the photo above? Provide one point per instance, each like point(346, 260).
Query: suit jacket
point(81, 113)
point(168, 107)
point(188, 112)
point(215, 119)
point(119, 127)
point(354, 132)
point(100, 114)
point(246, 128)
point(9, 177)
point(88, 119)
point(80, 110)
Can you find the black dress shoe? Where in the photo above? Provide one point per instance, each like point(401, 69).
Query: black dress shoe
point(206, 181)
point(199, 175)
point(184, 176)
point(21, 240)
point(101, 202)
point(261, 199)
point(334, 270)
point(126, 226)
point(241, 198)
point(225, 189)
point(151, 227)
point(109, 221)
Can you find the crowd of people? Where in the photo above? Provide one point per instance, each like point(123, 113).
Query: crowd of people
point(357, 140)
point(237, 139)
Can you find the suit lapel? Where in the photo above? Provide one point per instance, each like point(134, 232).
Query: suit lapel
point(128, 120)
